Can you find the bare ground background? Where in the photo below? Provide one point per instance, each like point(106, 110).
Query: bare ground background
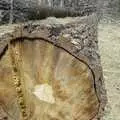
point(109, 45)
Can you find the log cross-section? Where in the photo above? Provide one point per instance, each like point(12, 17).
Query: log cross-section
point(60, 78)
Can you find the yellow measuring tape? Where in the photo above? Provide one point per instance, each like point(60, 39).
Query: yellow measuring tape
point(15, 55)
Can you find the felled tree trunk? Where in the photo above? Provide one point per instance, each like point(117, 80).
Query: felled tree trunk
point(22, 10)
point(50, 70)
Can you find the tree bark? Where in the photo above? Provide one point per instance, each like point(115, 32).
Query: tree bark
point(11, 12)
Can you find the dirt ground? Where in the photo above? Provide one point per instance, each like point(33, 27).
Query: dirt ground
point(109, 45)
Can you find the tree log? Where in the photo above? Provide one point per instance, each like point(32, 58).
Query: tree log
point(50, 70)
point(32, 10)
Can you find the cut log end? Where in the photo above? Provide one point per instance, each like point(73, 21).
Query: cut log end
point(59, 78)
